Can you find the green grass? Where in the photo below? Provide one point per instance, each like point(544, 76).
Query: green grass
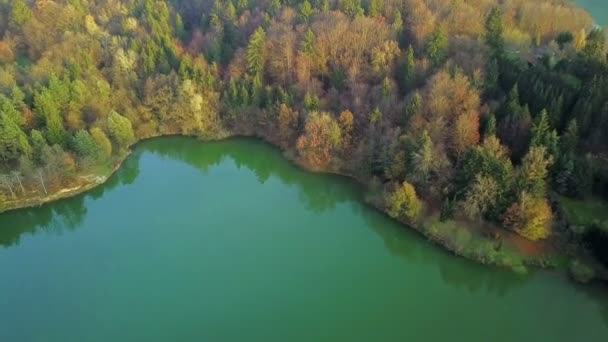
point(471, 245)
point(585, 212)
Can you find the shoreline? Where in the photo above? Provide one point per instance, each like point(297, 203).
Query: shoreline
point(94, 180)
point(424, 228)
point(63, 193)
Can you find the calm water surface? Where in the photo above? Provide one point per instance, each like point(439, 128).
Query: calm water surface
point(597, 8)
point(229, 242)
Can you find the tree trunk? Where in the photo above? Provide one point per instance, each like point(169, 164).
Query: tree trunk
point(42, 182)
point(7, 184)
point(20, 184)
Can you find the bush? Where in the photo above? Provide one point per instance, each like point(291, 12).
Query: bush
point(581, 272)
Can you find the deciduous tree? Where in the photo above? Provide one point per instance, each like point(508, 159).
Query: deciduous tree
point(404, 204)
point(121, 130)
point(531, 217)
point(321, 137)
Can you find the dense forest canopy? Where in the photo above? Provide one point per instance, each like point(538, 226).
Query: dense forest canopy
point(477, 107)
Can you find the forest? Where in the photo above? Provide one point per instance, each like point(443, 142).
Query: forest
point(491, 113)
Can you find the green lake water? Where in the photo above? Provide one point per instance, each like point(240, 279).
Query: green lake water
point(228, 241)
point(597, 8)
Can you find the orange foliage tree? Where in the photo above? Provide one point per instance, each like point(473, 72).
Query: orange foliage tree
point(321, 137)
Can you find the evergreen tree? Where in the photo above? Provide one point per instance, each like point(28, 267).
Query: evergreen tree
point(491, 78)
point(308, 43)
point(413, 107)
point(305, 12)
point(273, 6)
point(351, 8)
point(540, 129)
point(85, 146)
point(7, 108)
point(494, 32)
point(242, 5)
point(256, 54)
point(18, 98)
point(490, 126)
point(514, 124)
point(13, 141)
point(512, 104)
point(437, 47)
point(542, 135)
point(55, 131)
point(409, 68)
point(374, 8)
point(38, 142)
point(180, 31)
point(398, 23)
point(570, 138)
point(326, 6)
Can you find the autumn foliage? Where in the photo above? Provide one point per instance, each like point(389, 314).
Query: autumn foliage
point(321, 137)
point(403, 203)
point(484, 105)
point(530, 217)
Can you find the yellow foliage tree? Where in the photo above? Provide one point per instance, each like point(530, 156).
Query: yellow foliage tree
point(530, 217)
point(404, 203)
point(580, 40)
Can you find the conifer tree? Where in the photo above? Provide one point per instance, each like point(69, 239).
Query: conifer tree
point(256, 54)
point(437, 47)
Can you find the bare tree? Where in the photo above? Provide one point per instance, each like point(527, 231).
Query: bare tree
point(17, 175)
point(7, 182)
point(42, 182)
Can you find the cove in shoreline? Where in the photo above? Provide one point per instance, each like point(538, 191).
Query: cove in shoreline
point(157, 253)
point(447, 235)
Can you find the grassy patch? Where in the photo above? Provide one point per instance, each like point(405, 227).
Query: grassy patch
point(585, 212)
point(472, 245)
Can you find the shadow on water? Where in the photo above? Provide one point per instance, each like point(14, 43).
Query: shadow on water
point(322, 192)
point(63, 215)
point(318, 192)
point(454, 270)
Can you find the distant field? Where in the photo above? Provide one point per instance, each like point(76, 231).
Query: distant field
point(585, 212)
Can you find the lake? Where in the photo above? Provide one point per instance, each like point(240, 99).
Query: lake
point(227, 241)
point(597, 8)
